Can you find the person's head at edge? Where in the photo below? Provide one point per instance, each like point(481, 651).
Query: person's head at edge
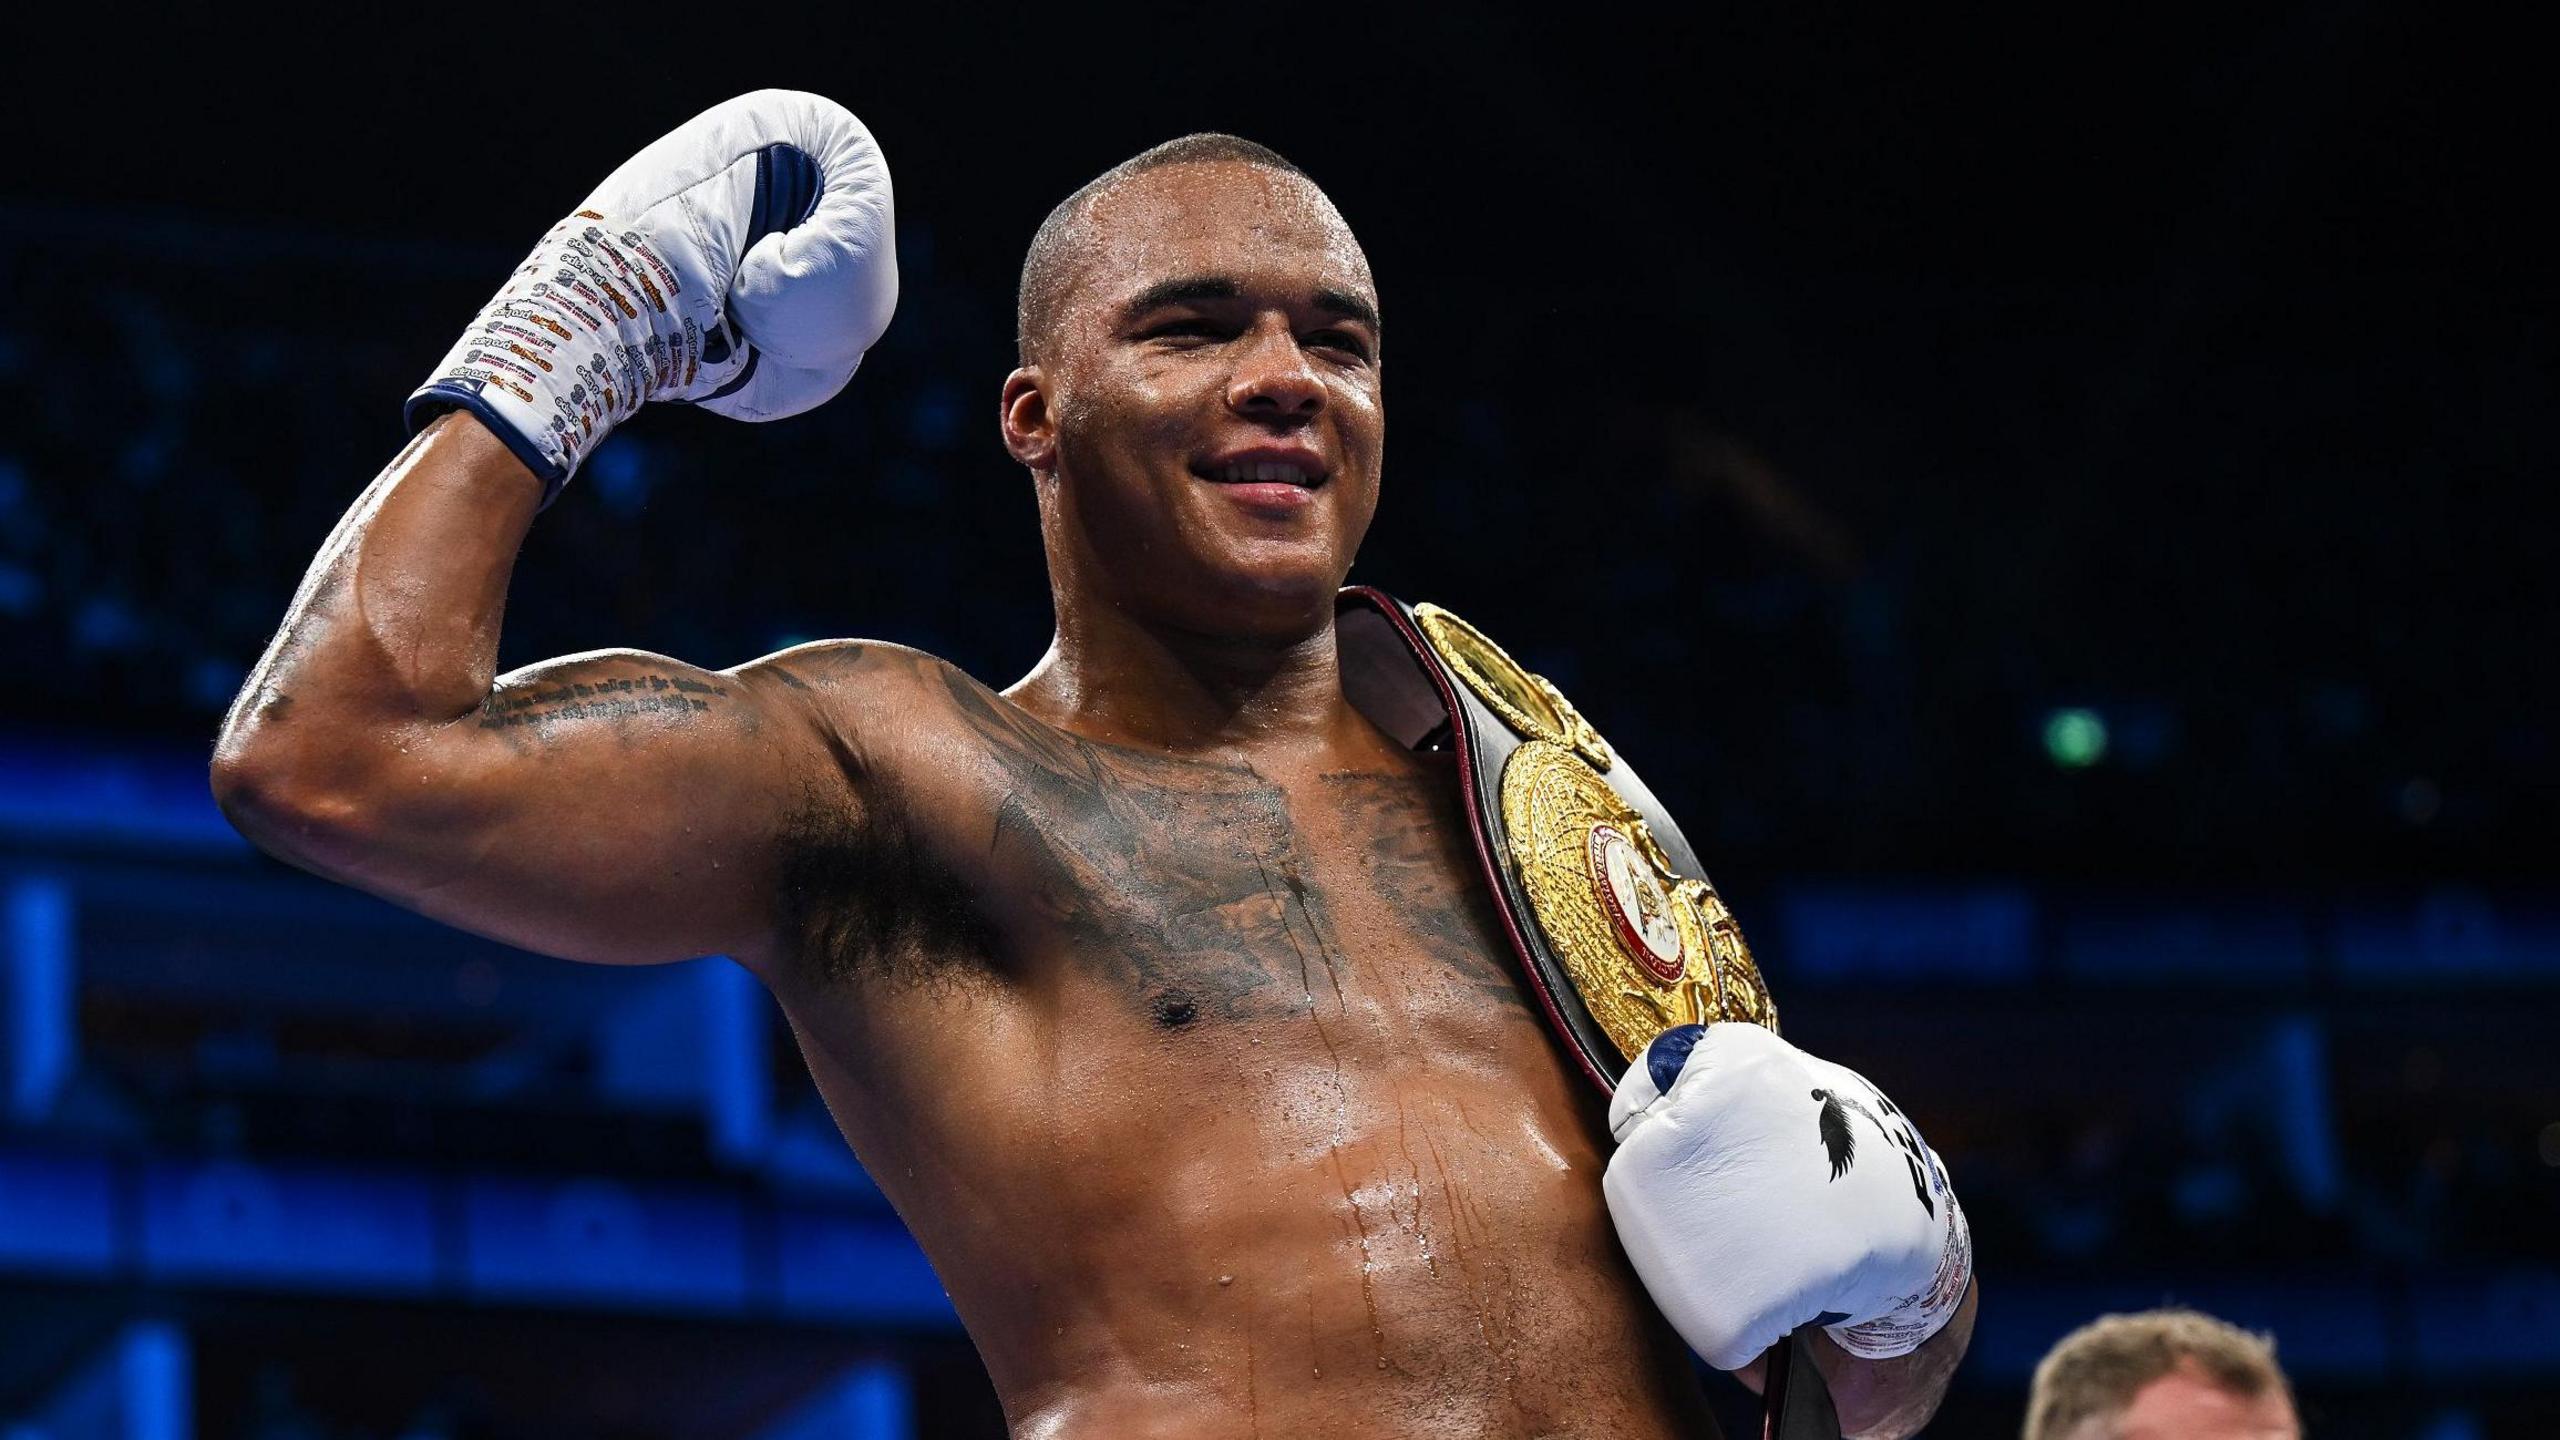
point(2160, 1374)
point(1195, 322)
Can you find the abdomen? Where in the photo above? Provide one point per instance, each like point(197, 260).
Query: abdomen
point(1295, 1233)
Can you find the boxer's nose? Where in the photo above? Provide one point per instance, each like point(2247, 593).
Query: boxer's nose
point(1273, 381)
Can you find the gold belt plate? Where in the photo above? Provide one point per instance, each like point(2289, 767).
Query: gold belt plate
point(1647, 948)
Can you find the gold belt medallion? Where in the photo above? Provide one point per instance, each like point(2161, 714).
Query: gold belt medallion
point(1647, 948)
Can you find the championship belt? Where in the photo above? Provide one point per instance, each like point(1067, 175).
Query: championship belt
point(1618, 929)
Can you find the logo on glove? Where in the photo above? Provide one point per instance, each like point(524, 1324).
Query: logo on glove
point(1841, 1143)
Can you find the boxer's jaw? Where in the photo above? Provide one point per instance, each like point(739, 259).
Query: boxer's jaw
point(1224, 332)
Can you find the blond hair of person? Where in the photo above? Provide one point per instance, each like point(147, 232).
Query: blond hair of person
point(2095, 1371)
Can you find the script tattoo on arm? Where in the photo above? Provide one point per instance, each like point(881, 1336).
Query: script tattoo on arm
point(580, 693)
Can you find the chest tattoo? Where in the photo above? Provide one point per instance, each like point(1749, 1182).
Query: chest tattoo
point(1188, 884)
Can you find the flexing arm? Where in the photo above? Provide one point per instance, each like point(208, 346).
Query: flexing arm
point(615, 806)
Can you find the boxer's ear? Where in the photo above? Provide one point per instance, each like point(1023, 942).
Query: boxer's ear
point(1030, 428)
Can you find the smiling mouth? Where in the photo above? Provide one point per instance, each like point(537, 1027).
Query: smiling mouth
point(1261, 472)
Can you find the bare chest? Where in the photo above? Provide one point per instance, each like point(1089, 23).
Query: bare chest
point(1204, 894)
point(1252, 1078)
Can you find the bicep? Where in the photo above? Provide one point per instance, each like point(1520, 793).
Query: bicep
point(616, 806)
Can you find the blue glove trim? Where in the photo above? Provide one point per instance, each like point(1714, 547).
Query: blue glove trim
point(1668, 1055)
point(745, 373)
point(787, 185)
point(446, 395)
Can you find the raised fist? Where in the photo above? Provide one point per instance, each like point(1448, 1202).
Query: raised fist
point(744, 262)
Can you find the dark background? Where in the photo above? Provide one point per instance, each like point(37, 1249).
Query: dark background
point(1852, 415)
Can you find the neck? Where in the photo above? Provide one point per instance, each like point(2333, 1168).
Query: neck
point(1115, 676)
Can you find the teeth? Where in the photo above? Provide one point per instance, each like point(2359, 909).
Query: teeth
point(1263, 472)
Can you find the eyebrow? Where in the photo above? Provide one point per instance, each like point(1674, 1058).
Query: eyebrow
point(1190, 289)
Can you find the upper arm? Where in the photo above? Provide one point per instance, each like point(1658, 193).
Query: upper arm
point(615, 806)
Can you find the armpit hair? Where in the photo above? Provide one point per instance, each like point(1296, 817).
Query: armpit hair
point(862, 900)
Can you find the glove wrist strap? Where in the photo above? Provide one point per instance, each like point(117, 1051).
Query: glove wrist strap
point(585, 332)
point(1910, 1324)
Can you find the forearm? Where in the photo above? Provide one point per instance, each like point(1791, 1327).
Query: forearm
point(1888, 1399)
point(394, 629)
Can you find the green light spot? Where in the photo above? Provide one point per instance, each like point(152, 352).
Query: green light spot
point(2075, 739)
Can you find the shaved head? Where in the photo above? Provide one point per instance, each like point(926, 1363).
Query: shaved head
point(1058, 248)
point(1199, 315)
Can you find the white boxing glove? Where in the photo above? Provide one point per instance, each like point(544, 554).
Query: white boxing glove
point(1757, 1189)
point(744, 262)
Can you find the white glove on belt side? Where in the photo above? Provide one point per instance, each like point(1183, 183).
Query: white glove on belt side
point(744, 262)
point(1757, 1189)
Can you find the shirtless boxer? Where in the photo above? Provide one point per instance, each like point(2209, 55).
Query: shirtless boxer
point(1157, 990)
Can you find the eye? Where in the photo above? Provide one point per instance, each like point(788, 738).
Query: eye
point(1342, 340)
point(1190, 328)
